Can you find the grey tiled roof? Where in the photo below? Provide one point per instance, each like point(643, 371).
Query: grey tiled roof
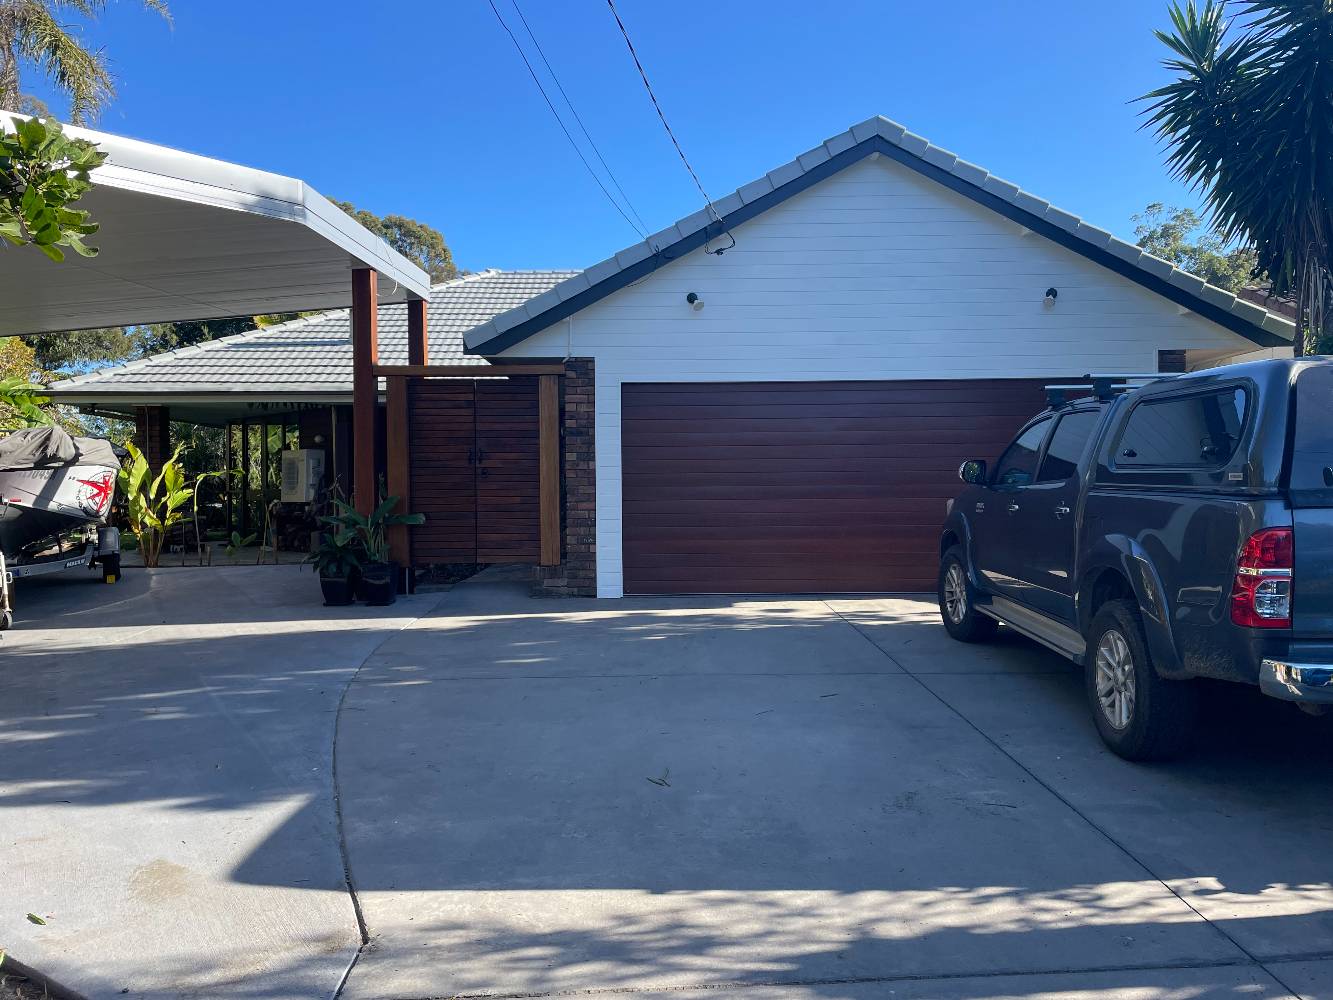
point(315, 354)
point(511, 327)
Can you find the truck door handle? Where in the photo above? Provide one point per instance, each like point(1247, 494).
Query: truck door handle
point(1013, 507)
point(1061, 510)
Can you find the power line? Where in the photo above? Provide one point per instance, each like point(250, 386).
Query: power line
point(643, 75)
point(577, 117)
point(560, 121)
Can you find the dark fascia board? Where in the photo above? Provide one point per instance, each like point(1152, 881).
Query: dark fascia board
point(841, 161)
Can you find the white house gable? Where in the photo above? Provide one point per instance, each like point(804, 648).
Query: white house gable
point(875, 273)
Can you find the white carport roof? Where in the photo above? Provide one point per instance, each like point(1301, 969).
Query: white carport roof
point(187, 237)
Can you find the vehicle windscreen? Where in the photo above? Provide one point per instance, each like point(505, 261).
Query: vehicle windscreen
point(1312, 441)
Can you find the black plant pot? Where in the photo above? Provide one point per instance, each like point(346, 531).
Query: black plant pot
point(379, 583)
point(339, 591)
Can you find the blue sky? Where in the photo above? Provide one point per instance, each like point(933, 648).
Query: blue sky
point(427, 110)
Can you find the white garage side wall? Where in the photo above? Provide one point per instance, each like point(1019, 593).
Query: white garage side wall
point(875, 273)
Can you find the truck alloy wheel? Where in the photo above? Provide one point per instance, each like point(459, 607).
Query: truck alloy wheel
point(1115, 679)
point(955, 593)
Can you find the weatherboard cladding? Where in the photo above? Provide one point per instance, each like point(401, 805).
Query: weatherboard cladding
point(879, 135)
point(314, 354)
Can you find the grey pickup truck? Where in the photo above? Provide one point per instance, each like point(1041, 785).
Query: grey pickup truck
point(1157, 530)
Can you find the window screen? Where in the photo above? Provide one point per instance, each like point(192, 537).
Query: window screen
point(1067, 446)
point(1019, 460)
point(1198, 430)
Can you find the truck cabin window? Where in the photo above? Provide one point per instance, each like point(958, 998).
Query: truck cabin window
point(1197, 430)
point(1018, 464)
point(1067, 445)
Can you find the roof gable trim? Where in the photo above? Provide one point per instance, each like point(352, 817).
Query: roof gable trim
point(878, 136)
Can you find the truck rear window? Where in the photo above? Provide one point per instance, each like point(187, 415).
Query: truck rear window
point(1195, 431)
point(1312, 442)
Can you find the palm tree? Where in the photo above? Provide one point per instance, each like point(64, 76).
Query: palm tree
point(1249, 122)
point(32, 34)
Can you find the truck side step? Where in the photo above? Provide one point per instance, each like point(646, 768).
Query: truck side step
point(1036, 626)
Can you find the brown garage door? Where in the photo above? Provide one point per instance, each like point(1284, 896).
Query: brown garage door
point(773, 487)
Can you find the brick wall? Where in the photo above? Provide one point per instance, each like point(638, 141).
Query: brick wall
point(576, 576)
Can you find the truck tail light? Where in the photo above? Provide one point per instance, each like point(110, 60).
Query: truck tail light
point(1261, 594)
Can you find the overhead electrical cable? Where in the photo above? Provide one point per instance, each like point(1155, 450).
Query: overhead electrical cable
point(560, 121)
point(643, 75)
point(577, 117)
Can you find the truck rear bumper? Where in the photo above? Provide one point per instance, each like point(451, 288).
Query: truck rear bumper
point(1311, 683)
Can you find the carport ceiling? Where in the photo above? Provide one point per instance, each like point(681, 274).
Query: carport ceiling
point(187, 237)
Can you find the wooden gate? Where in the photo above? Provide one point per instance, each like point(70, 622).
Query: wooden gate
point(480, 459)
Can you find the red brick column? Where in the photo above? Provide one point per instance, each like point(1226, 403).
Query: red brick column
point(576, 576)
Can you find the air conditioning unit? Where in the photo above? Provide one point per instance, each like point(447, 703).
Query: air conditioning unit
point(302, 474)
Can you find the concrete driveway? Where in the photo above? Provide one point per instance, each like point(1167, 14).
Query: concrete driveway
point(166, 801)
point(772, 799)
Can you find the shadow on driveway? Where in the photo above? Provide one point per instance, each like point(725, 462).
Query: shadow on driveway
point(544, 796)
point(166, 802)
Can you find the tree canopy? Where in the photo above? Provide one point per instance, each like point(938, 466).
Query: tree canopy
point(20, 398)
point(1179, 235)
point(416, 241)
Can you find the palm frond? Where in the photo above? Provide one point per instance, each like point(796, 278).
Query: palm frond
point(76, 70)
point(1248, 121)
point(34, 32)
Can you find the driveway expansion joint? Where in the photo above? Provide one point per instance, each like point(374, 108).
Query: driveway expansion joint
point(349, 881)
point(1251, 958)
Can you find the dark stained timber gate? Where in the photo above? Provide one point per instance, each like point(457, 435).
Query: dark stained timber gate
point(475, 470)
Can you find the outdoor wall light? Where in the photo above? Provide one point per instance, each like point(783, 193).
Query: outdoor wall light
point(1051, 295)
point(695, 302)
point(319, 439)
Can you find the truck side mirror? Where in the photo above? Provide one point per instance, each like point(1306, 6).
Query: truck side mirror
point(972, 471)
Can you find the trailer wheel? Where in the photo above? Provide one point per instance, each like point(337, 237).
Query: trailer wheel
point(110, 568)
point(6, 620)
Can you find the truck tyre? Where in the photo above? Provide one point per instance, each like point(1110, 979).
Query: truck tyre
point(1140, 716)
point(962, 620)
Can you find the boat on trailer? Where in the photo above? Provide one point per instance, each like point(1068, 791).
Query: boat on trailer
point(56, 492)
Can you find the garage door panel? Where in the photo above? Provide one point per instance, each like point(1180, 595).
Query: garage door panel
point(800, 486)
point(745, 394)
point(662, 430)
point(787, 412)
point(764, 472)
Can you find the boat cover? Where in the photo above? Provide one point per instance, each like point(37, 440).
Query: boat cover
point(44, 447)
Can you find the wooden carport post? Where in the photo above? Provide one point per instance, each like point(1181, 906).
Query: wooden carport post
point(418, 339)
point(365, 386)
point(398, 435)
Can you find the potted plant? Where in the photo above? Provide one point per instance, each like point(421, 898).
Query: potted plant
point(338, 560)
point(379, 573)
